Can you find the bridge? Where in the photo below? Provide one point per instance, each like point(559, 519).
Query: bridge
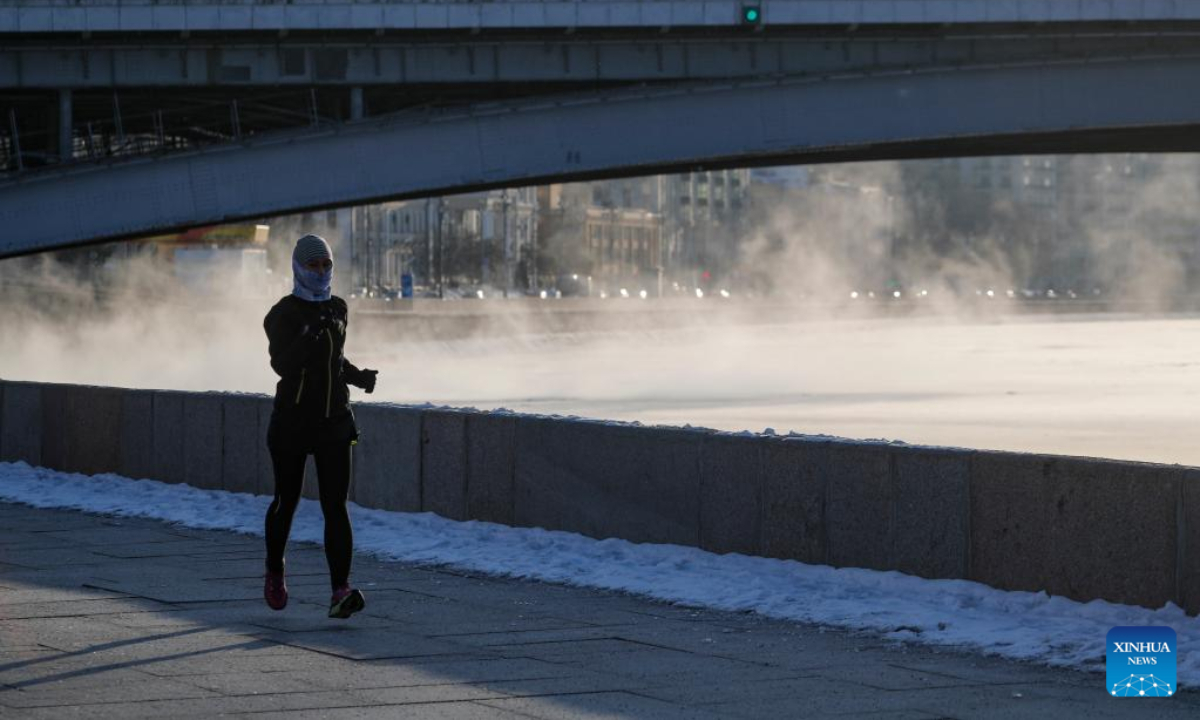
point(128, 118)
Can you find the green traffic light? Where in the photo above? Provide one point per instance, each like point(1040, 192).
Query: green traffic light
point(751, 14)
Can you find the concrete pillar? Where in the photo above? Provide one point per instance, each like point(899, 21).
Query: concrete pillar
point(356, 103)
point(65, 144)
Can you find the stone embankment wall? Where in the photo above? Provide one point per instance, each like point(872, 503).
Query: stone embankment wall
point(1079, 527)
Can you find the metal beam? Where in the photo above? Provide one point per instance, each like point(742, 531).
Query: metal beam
point(235, 64)
point(198, 16)
point(1000, 109)
point(66, 143)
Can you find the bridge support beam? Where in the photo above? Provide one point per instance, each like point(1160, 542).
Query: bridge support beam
point(970, 111)
point(66, 144)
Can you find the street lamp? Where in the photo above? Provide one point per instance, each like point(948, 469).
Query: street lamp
point(505, 202)
point(441, 251)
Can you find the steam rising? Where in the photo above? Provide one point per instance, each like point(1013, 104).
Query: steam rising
point(952, 367)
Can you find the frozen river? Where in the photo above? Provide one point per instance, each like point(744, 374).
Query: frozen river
point(1107, 386)
point(1099, 386)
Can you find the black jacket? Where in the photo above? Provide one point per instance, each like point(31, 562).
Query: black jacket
point(306, 340)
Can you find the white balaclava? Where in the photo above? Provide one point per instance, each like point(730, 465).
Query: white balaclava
point(309, 284)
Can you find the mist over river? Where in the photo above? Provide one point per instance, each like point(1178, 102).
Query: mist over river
point(1082, 385)
point(1105, 385)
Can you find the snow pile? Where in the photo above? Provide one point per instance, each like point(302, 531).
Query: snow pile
point(1024, 625)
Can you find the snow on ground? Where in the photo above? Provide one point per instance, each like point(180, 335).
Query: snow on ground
point(1021, 625)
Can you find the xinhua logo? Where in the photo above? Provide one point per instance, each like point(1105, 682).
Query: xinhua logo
point(1141, 662)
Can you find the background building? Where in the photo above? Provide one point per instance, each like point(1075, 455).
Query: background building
point(1076, 224)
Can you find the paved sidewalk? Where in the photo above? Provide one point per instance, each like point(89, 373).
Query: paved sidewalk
point(103, 617)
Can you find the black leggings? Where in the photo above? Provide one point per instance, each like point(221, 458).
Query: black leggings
point(334, 461)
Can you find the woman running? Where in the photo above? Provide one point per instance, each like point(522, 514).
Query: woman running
point(307, 332)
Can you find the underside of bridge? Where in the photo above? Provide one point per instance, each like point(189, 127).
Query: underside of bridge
point(71, 97)
point(1087, 106)
point(138, 133)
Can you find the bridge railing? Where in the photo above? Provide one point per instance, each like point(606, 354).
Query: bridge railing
point(158, 131)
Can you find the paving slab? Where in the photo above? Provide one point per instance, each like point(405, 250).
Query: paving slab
point(177, 629)
point(114, 686)
point(440, 671)
point(1045, 700)
point(73, 608)
point(428, 711)
point(836, 699)
point(610, 704)
point(657, 665)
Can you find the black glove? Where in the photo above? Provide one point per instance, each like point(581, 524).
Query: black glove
point(368, 380)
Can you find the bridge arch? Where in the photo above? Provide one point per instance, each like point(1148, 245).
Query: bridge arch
point(1119, 104)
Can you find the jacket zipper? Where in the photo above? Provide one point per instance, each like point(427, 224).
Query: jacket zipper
point(329, 373)
point(300, 389)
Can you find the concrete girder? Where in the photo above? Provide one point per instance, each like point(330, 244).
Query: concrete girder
point(619, 133)
point(233, 64)
point(117, 16)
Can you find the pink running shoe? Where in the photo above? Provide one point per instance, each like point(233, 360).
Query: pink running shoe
point(346, 602)
point(275, 590)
